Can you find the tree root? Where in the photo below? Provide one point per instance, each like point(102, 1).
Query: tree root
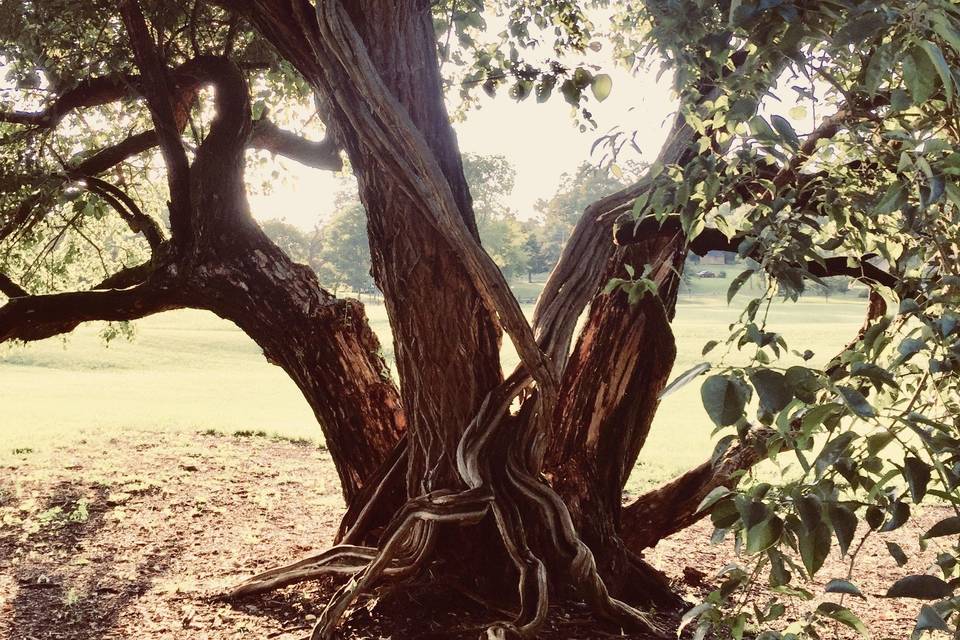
point(507, 491)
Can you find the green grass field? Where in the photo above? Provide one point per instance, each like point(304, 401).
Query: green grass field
point(191, 371)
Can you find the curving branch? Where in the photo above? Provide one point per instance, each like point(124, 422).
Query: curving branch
point(859, 268)
point(136, 219)
point(158, 90)
point(323, 154)
point(186, 80)
point(579, 274)
point(90, 92)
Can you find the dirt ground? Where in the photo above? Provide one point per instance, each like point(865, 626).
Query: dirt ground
point(139, 537)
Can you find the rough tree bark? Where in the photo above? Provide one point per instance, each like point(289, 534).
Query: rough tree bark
point(531, 465)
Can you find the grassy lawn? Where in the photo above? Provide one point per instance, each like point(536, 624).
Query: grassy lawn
point(191, 371)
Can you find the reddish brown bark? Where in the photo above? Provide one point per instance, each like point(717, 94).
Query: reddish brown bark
point(446, 342)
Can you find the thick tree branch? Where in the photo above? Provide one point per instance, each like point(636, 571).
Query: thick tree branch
point(10, 288)
point(579, 273)
point(127, 277)
point(111, 156)
point(158, 90)
point(673, 506)
point(713, 240)
point(267, 136)
point(324, 154)
point(87, 93)
point(42, 316)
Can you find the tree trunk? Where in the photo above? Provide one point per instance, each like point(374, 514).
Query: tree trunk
point(456, 460)
point(446, 342)
point(611, 385)
point(324, 344)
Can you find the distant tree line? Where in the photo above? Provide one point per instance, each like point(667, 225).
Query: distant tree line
point(337, 247)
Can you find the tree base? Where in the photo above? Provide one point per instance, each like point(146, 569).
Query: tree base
point(441, 610)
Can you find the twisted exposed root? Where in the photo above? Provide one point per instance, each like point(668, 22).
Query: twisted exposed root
point(511, 494)
point(342, 559)
point(508, 491)
point(583, 567)
point(467, 507)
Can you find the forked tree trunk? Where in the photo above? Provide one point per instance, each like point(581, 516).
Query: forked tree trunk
point(446, 338)
point(526, 470)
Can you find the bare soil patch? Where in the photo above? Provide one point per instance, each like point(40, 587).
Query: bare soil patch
point(141, 535)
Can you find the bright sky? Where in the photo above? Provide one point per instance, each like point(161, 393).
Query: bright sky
point(542, 141)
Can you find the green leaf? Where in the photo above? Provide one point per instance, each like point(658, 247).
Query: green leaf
point(571, 92)
point(716, 495)
point(833, 451)
point(842, 615)
point(943, 28)
point(844, 523)
point(953, 192)
point(810, 510)
point(877, 375)
point(910, 347)
point(857, 403)
point(843, 586)
point(738, 282)
point(742, 109)
point(917, 474)
point(940, 64)
point(761, 130)
point(894, 198)
point(814, 547)
point(878, 441)
point(815, 416)
point(582, 77)
point(684, 378)
point(922, 587)
point(785, 129)
point(919, 75)
point(764, 535)
point(946, 527)
point(899, 514)
point(772, 389)
point(930, 620)
point(879, 67)
point(803, 383)
point(896, 551)
point(860, 29)
point(601, 86)
point(724, 398)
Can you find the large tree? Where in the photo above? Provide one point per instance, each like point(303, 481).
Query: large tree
point(525, 467)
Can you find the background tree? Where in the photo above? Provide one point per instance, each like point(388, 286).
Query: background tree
point(559, 215)
point(526, 467)
point(343, 249)
point(294, 241)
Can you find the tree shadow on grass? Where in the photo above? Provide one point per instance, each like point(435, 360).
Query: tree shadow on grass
point(72, 578)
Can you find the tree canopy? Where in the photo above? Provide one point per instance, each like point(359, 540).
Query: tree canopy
point(814, 139)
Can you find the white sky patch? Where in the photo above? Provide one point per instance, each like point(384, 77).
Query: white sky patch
point(542, 141)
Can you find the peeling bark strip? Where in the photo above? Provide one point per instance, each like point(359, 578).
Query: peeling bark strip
point(446, 340)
